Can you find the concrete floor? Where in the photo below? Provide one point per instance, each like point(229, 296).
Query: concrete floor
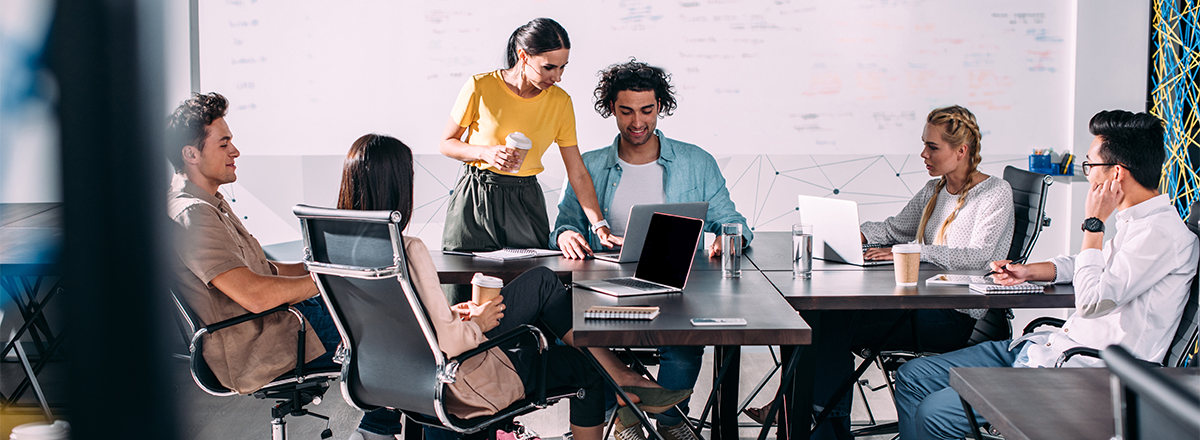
point(205, 417)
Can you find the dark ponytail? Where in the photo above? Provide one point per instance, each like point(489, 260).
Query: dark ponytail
point(537, 37)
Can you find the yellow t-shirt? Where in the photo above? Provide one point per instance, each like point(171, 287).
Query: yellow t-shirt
point(490, 111)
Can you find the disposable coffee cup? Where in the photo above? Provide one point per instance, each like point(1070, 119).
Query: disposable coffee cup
point(522, 144)
point(907, 263)
point(485, 288)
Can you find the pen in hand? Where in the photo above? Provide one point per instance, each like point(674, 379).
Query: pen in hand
point(1017, 261)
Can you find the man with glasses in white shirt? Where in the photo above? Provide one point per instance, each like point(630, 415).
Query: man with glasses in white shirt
point(1130, 291)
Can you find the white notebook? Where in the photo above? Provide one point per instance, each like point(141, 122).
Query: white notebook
point(621, 312)
point(993, 288)
point(516, 254)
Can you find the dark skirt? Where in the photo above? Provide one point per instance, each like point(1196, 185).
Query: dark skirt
point(490, 211)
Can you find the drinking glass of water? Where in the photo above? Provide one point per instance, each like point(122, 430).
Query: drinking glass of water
point(731, 250)
point(802, 241)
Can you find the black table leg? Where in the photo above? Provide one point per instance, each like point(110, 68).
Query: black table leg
point(800, 401)
point(724, 422)
point(971, 419)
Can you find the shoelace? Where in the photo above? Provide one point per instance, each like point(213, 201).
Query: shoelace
point(682, 432)
point(633, 432)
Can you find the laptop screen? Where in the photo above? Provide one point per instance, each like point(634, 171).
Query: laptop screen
point(670, 245)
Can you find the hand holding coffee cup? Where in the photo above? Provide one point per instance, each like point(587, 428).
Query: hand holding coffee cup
point(908, 263)
point(521, 143)
point(485, 288)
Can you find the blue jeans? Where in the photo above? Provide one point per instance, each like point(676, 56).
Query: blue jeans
point(926, 405)
point(678, 368)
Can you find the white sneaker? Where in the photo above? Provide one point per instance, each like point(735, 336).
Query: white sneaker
point(359, 434)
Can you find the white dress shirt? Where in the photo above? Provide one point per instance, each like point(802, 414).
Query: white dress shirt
point(1130, 293)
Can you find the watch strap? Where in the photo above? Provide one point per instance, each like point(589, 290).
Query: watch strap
point(598, 225)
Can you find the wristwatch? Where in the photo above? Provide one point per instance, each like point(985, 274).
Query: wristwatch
point(600, 224)
point(1092, 224)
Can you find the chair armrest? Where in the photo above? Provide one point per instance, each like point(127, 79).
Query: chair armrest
point(503, 338)
point(1082, 351)
point(243, 318)
point(1045, 320)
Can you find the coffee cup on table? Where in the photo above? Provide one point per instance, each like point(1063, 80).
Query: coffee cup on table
point(518, 141)
point(485, 288)
point(907, 263)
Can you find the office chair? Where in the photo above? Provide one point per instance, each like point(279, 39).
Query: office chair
point(1148, 404)
point(390, 352)
point(1030, 190)
point(292, 391)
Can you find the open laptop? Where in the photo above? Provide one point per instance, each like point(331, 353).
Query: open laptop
point(835, 230)
point(665, 261)
point(639, 223)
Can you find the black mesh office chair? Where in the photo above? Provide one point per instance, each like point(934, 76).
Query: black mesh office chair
point(292, 391)
point(1030, 190)
point(390, 354)
point(1148, 404)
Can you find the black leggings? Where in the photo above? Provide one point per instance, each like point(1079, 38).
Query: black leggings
point(538, 298)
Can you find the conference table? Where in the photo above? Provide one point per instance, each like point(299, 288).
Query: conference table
point(836, 286)
point(30, 239)
point(1039, 403)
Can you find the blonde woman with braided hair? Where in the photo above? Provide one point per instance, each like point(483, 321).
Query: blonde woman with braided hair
point(963, 220)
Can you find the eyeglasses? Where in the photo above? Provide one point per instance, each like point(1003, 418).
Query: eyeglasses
point(1087, 166)
point(643, 72)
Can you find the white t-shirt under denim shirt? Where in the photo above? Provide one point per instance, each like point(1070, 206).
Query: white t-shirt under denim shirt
point(982, 231)
point(1130, 293)
point(640, 185)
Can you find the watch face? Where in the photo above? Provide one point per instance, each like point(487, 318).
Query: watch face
point(1093, 225)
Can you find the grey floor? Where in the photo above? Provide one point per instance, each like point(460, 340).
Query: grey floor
point(206, 417)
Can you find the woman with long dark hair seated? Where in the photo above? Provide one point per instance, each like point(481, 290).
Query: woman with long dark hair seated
point(378, 175)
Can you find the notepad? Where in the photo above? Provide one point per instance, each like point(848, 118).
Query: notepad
point(1015, 288)
point(621, 312)
point(516, 254)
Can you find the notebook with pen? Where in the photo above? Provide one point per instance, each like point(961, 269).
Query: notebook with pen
point(644, 313)
point(993, 288)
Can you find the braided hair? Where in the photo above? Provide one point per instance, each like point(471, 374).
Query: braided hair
point(958, 128)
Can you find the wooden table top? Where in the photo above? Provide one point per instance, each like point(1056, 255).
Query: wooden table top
point(864, 290)
point(458, 269)
point(1042, 403)
point(769, 319)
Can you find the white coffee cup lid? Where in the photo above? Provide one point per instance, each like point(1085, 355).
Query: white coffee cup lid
point(906, 248)
point(518, 140)
point(482, 280)
point(60, 429)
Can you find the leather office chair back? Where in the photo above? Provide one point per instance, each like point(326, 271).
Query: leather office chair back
point(1029, 206)
point(1182, 351)
point(1149, 404)
point(391, 354)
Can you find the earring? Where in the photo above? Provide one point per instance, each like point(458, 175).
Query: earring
point(521, 74)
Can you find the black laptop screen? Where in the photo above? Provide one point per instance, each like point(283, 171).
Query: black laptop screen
point(671, 242)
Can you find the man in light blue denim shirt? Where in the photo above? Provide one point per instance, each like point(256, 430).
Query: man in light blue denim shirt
point(643, 166)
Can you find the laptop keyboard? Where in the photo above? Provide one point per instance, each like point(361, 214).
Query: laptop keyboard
point(636, 284)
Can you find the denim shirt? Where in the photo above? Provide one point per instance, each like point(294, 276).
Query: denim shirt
point(690, 174)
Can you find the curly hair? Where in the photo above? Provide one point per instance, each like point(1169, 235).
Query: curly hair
point(638, 77)
point(188, 124)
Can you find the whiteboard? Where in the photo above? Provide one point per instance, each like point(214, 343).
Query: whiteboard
point(307, 77)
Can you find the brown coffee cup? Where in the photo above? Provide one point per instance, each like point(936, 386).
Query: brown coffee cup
point(485, 288)
point(907, 263)
point(518, 141)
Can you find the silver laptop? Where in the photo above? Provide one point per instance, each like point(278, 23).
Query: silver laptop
point(639, 222)
point(835, 230)
point(665, 261)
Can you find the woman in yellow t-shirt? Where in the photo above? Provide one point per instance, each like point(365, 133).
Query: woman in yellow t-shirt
point(497, 203)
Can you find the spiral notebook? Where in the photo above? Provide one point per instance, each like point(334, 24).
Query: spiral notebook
point(992, 288)
point(516, 254)
point(621, 312)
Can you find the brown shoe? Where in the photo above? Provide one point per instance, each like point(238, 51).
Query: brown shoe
point(627, 426)
point(678, 432)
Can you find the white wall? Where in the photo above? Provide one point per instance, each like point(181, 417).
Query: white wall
point(1106, 69)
